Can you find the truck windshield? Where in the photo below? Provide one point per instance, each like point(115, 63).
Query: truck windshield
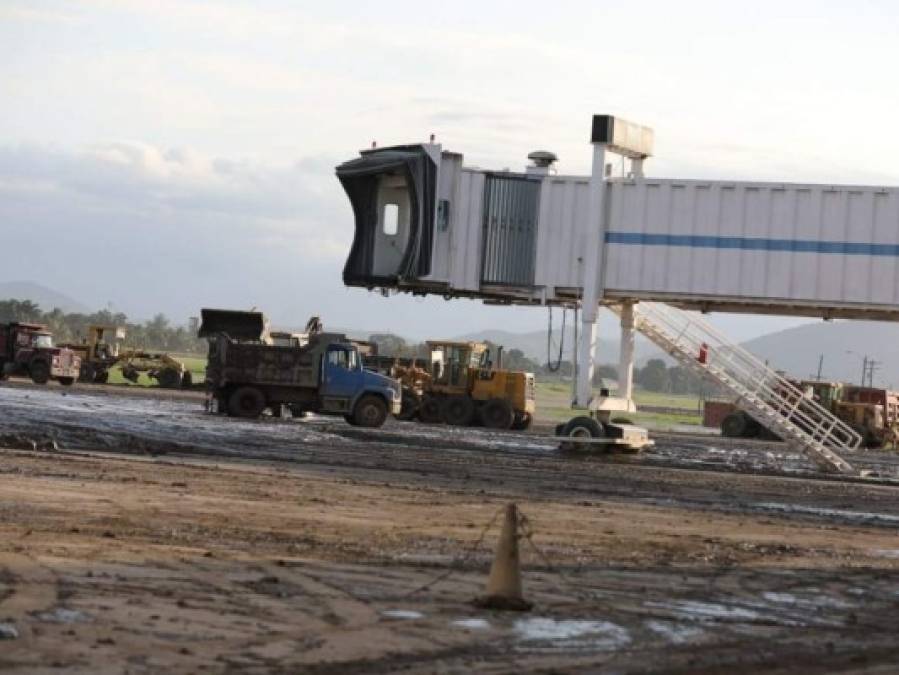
point(42, 341)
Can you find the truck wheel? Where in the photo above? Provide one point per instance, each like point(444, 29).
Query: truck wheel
point(370, 411)
point(169, 378)
point(187, 381)
point(522, 421)
point(101, 377)
point(246, 402)
point(429, 411)
point(457, 410)
point(40, 372)
point(735, 425)
point(497, 413)
point(66, 381)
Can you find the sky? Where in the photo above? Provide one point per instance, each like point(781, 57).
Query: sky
point(168, 155)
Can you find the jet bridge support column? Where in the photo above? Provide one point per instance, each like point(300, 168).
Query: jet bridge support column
point(626, 354)
point(592, 261)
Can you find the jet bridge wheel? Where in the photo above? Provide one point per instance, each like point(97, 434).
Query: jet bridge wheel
point(579, 427)
point(246, 402)
point(458, 411)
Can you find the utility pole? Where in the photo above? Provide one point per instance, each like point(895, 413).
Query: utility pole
point(872, 367)
point(820, 366)
point(864, 369)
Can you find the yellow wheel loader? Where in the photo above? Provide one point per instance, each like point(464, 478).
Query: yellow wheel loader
point(460, 385)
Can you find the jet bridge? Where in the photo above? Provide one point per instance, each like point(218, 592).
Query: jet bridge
point(427, 224)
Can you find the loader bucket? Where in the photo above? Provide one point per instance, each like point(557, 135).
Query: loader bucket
point(235, 324)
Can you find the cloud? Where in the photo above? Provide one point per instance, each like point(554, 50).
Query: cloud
point(137, 224)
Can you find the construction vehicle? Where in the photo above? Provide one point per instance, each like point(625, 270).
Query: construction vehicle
point(248, 372)
point(102, 351)
point(27, 349)
point(99, 352)
point(461, 386)
point(870, 412)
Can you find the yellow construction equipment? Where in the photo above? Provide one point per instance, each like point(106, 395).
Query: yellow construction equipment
point(459, 384)
point(101, 351)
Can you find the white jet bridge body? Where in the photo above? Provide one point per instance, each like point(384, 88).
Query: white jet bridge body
point(426, 224)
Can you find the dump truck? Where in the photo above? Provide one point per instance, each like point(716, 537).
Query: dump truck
point(27, 349)
point(316, 372)
point(459, 384)
point(873, 413)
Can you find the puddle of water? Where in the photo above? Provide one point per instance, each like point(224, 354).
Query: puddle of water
point(601, 634)
point(781, 598)
point(842, 513)
point(63, 615)
point(703, 611)
point(886, 552)
point(675, 633)
point(402, 614)
point(8, 631)
point(473, 624)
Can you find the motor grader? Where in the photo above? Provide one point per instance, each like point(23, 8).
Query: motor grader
point(460, 385)
point(101, 351)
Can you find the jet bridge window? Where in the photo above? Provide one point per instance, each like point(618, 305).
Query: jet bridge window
point(391, 219)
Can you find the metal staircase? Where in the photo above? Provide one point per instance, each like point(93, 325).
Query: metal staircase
point(769, 398)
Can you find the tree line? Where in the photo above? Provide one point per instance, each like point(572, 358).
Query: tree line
point(156, 334)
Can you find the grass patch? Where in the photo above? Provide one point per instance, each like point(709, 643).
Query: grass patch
point(554, 406)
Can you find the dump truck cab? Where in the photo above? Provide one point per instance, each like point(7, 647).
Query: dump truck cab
point(27, 349)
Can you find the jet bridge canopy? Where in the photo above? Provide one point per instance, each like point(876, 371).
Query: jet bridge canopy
point(392, 192)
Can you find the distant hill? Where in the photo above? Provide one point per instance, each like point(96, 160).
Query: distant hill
point(533, 345)
point(843, 344)
point(46, 298)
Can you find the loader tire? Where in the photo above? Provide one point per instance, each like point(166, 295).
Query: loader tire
point(411, 404)
point(370, 411)
point(40, 372)
point(66, 381)
point(522, 421)
point(429, 411)
point(101, 377)
point(187, 381)
point(497, 413)
point(169, 378)
point(458, 411)
point(246, 402)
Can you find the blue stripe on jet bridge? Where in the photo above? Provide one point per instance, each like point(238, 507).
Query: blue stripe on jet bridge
point(752, 243)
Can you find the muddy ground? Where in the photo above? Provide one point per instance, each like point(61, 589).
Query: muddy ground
point(144, 535)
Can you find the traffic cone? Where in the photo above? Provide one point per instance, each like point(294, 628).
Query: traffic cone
point(504, 584)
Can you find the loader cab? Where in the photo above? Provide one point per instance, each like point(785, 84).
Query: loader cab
point(393, 194)
point(452, 363)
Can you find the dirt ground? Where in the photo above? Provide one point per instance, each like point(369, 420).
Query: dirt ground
point(144, 536)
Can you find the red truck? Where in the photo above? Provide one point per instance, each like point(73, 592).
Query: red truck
point(27, 349)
